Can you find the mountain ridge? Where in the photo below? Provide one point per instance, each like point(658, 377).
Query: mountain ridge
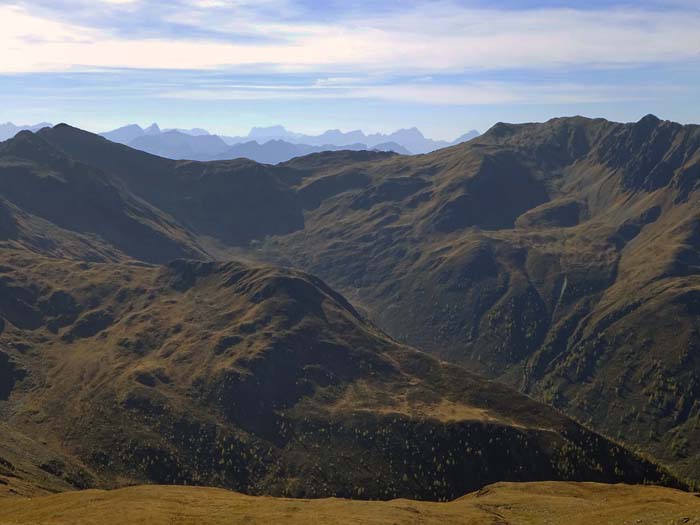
point(179, 144)
point(558, 257)
point(9, 130)
point(542, 229)
point(259, 144)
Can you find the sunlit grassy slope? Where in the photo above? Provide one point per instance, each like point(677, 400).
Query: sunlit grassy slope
point(502, 503)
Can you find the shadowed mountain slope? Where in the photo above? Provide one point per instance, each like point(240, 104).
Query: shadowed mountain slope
point(265, 381)
point(234, 201)
point(560, 257)
point(54, 204)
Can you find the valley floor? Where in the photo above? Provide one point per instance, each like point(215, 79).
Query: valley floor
point(501, 503)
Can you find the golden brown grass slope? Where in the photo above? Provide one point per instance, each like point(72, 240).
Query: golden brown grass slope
point(262, 380)
point(550, 503)
point(29, 467)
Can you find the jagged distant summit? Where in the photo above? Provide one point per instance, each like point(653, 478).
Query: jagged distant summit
point(412, 139)
point(271, 144)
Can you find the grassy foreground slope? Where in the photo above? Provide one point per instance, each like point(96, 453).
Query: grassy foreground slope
point(502, 504)
point(30, 468)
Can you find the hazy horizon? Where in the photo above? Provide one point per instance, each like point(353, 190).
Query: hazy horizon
point(249, 133)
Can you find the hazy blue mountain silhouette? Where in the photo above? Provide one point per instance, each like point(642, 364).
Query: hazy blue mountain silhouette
point(131, 132)
point(411, 139)
point(177, 145)
point(9, 130)
point(276, 151)
point(270, 145)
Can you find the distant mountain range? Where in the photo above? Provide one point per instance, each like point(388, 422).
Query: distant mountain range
point(9, 130)
point(268, 145)
point(411, 139)
point(180, 144)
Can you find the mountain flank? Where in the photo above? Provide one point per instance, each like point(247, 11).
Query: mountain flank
point(265, 381)
point(559, 258)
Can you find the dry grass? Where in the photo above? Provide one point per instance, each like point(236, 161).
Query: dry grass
point(365, 397)
point(502, 503)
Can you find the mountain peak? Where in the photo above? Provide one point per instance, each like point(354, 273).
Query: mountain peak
point(29, 145)
point(24, 135)
point(9, 129)
point(130, 127)
point(648, 122)
point(269, 131)
point(125, 134)
point(650, 118)
point(469, 135)
point(414, 132)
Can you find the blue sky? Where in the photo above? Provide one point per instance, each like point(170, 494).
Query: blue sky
point(443, 66)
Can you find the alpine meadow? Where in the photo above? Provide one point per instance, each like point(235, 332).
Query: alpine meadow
point(257, 264)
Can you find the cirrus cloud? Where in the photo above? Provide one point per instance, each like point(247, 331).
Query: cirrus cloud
point(419, 39)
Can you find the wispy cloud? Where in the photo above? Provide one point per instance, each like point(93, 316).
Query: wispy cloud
point(434, 37)
point(360, 61)
point(429, 92)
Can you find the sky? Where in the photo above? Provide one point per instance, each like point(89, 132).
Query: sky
point(444, 66)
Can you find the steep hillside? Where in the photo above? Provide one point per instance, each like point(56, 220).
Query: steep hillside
point(500, 504)
point(264, 381)
point(30, 468)
point(234, 202)
point(56, 205)
point(560, 257)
